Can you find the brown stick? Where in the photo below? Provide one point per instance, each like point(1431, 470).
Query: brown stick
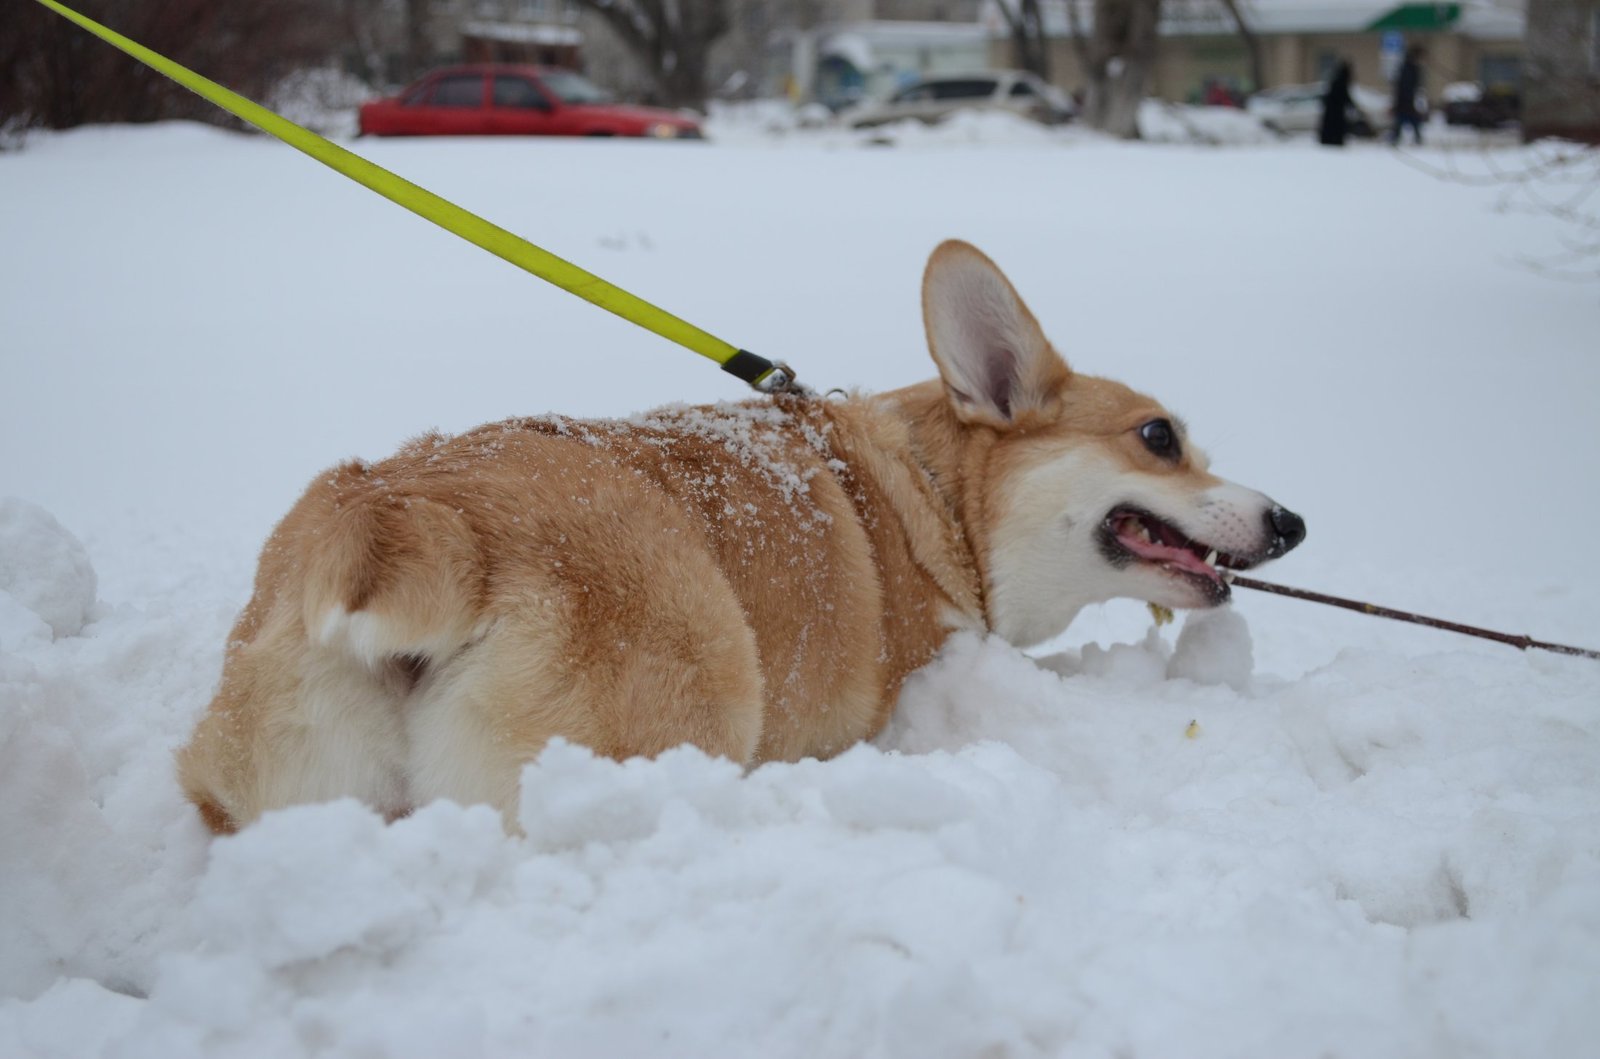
point(1524, 642)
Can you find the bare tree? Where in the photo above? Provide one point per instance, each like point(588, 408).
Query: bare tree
point(371, 39)
point(1030, 47)
point(418, 53)
point(1556, 179)
point(56, 75)
point(1252, 43)
point(754, 56)
point(1561, 85)
point(671, 39)
point(1553, 179)
point(1117, 57)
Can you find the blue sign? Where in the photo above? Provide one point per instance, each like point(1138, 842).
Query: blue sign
point(1391, 49)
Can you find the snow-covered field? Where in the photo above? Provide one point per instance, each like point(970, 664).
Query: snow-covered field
point(1374, 840)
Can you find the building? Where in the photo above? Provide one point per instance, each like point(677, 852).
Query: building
point(1300, 41)
point(540, 43)
point(542, 32)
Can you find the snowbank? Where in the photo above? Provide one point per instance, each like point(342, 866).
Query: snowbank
point(1107, 863)
point(1162, 122)
point(774, 123)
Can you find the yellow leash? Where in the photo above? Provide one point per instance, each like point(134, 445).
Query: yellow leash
point(764, 375)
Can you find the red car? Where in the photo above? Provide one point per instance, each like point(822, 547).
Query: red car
point(495, 99)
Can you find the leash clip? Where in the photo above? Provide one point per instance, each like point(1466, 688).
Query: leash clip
point(779, 380)
point(763, 375)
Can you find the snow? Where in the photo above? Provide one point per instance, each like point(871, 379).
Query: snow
point(45, 573)
point(1274, 830)
point(1161, 122)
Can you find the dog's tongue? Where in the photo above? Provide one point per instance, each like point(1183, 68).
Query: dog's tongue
point(1156, 552)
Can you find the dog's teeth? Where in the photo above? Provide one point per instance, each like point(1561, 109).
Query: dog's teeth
point(1144, 531)
point(1227, 575)
point(1211, 559)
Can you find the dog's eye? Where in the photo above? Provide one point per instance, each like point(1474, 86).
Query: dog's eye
point(1160, 438)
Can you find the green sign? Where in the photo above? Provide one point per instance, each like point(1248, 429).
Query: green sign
point(1418, 17)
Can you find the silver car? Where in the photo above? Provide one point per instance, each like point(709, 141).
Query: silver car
point(932, 99)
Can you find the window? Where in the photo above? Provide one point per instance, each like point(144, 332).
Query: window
point(518, 92)
point(969, 88)
point(1500, 71)
point(459, 90)
point(915, 94)
point(1022, 88)
point(574, 88)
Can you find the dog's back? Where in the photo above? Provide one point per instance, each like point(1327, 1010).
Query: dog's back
point(422, 626)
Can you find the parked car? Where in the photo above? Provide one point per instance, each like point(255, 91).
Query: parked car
point(1469, 103)
point(1298, 108)
point(506, 100)
point(932, 99)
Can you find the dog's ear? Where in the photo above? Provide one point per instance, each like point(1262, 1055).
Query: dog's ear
point(996, 364)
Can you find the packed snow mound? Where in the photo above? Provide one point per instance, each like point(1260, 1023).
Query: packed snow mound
point(772, 123)
point(44, 570)
point(1025, 864)
point(1162, 122)
point(962, 128)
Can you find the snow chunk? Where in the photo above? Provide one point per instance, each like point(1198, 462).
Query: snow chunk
point(340, 880)
point(570, 797)
point(1213, 648)
point(55, 1023)
point(44, 567)
point(1138, 664)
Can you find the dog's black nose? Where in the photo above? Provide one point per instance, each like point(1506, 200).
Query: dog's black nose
point(1288, 530)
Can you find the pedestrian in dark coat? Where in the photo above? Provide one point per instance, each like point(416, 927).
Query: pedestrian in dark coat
point(1406, 87)
point(1336, 107)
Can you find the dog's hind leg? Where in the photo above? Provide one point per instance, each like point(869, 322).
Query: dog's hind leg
point(607, 654)
point(292, 723)
point(356, 597)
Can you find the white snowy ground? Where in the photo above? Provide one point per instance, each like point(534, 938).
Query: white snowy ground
point(1381, 840)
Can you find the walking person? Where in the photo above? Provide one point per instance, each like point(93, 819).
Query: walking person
point(1336, 108)
point(1406, 86)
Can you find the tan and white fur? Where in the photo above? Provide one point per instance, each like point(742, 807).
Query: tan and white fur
point(754, 579)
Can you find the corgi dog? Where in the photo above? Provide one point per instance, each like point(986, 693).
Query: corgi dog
point(756, 579)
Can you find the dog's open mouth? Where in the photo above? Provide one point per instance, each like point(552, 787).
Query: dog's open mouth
point(1129, 534)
